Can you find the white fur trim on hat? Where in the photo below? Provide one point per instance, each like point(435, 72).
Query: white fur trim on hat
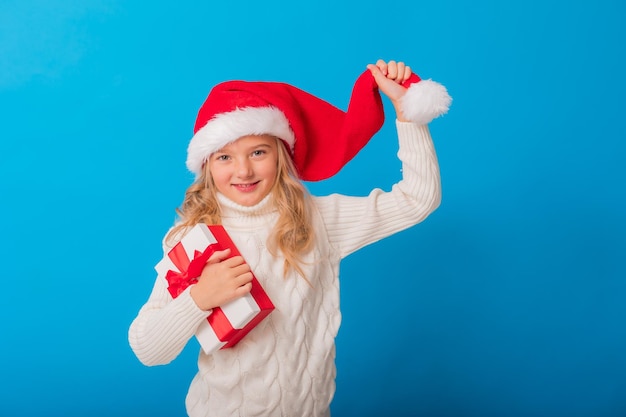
point(424, 101)
point(227, 127)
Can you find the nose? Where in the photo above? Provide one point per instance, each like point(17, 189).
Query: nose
point(243, 168)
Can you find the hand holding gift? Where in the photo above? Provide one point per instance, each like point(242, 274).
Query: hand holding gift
point(238, 304)
point(222, 280)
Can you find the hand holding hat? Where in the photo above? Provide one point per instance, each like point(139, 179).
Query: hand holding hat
point(393, 79)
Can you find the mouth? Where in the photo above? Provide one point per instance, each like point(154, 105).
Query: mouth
point(246, 188)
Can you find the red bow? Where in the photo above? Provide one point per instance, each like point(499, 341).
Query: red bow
point(190, 269)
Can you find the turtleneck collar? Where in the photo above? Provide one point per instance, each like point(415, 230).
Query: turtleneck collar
point(235, 215)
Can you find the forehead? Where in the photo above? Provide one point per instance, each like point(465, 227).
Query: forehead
point(249, 141)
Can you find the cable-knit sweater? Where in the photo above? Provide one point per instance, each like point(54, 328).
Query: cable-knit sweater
point(286, 365)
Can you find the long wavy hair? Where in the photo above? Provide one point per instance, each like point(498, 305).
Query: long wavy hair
point(292, 235)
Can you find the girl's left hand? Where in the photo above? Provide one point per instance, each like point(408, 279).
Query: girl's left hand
point(389, 77)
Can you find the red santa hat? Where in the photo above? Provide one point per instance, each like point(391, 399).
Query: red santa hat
point(320, 137)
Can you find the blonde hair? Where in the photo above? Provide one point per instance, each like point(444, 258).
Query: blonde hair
point(292, 236)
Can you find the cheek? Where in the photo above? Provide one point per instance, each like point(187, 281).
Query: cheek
point(219, 175)
point(270, 172)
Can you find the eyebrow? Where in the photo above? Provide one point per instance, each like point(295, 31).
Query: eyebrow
point(249, 149)
point(261, 145)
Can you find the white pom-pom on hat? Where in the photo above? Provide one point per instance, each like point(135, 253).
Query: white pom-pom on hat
point(424, 101)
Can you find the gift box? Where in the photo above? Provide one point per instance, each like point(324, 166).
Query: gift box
point(183, 264)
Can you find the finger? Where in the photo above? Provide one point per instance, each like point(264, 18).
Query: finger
point(243, 290)
point(392, 70)
point(404, 72)
point(376, 71)
point(234, 261)
point(400, 76)
point(243, 279)
point(219, 256)
point(407, 73)
point(382, 65)
point(241, 270)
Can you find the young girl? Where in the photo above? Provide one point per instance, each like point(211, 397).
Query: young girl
point(253, 144)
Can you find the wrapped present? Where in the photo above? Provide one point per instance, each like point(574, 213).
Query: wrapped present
point(183, 264)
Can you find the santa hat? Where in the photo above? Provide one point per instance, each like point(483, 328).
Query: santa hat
point(320, 137)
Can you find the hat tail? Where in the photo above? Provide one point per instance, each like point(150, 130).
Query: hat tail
point(363, 118)
point(327, 137)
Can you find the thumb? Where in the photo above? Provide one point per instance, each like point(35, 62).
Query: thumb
point(389, 87)
point(376, 72)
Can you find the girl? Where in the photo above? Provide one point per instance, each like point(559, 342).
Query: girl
point(253, 144)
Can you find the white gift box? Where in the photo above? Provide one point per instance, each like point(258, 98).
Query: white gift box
point(227, 324)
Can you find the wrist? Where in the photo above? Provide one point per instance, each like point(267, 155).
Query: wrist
point(197, 299)
point(399, 113)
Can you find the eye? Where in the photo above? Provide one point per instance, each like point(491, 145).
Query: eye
point(222, 157)
point(258, 152)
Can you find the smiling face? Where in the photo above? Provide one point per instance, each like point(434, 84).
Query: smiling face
point(245, 170)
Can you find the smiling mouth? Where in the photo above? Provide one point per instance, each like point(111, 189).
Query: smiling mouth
point(246, 187)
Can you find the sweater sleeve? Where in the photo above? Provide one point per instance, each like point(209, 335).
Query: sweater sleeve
point(164, 325)
point(354, 222)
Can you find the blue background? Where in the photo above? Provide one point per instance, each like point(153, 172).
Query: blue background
point(508, 301)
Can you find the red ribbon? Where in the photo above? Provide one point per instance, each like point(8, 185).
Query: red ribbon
point(190, 269)
point(218, 320)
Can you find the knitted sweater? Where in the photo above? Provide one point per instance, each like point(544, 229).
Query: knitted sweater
point(286, 365)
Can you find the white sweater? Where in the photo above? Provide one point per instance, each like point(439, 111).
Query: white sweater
point(286, 365)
